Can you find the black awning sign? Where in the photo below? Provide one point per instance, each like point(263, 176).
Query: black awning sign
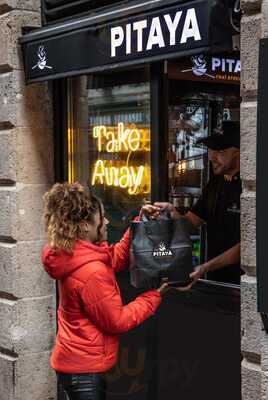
point(159, 32)
point(120, 39)
point(217, 68)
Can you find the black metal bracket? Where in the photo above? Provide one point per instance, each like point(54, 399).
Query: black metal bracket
point(28, 29)
point(264, 317)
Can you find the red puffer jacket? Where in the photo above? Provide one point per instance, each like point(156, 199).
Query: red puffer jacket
point(91, 314)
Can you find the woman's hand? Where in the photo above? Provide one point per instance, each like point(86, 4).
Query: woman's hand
point(163, 288)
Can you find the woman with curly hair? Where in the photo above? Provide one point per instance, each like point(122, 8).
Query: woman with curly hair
point(91, 315)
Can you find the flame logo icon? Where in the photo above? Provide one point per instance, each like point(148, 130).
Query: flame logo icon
point(42, 59)
point(162, 247)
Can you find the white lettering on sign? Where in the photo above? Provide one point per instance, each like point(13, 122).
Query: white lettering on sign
point(128, 39)
point(172, 26)
point(225, 65)
point(155, 36)
point(139, 26)
point(125, 36)
point(190, 29)
point(117, 38)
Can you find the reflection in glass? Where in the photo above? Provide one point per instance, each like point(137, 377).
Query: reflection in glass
point(117, 143)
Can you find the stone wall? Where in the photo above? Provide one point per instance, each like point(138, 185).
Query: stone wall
point(254, 339)
point(27, 300)
point(27, 295)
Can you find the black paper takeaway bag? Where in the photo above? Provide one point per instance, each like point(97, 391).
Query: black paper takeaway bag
point(160, 248)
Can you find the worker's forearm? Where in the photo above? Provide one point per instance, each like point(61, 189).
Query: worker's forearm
point(229, 257)
point(194, 220)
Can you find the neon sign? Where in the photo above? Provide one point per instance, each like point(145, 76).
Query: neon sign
point(128, 141)
point(135, 179)
point(123, 140)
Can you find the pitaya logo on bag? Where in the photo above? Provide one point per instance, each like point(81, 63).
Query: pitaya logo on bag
point(162, 251)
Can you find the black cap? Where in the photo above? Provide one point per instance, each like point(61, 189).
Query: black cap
point(228, 136)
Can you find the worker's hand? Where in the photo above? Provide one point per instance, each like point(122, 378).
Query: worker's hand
point(199, 271)
point(150, 211)
point(165, 206)
point(168, 207)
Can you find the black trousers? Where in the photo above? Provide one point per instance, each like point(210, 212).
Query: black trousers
point(89, 386)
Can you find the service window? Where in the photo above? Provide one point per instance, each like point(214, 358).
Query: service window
point(109, 141)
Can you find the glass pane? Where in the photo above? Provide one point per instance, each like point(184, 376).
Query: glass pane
point(116, 163)
point(188, 122)
point(194, 111)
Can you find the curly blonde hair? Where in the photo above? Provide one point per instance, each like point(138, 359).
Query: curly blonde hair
point(66, 207)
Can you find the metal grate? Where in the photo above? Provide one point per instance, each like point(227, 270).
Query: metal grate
point(57, 10)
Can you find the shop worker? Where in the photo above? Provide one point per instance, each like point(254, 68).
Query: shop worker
point(219, 207)
point(91, 315)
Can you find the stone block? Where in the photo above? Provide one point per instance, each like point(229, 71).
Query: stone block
point(22, 105)
point(28, 377)
point(11, 24)
point(250, 35)
point(264, 18)
point(27, 325)
point(35, 379)
point(8, 262)
point(21, 209)
point(251, 381)
point(8, 315)
point(7, 52)
point(22, 274)
point(26, 5)
point(35, 327)
point(34, 148)
point(8, 212)
point(29, 202)
point(248, 140)
point(8, 158)
point(26, 155)
point(251, 324)
point(5, 6)
point(251, 6)
point(248, 232)
point(8, 379)
point(32, 279)
point(264, 386)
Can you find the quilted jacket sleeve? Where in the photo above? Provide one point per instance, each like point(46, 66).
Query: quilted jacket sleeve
point(120, 253)
point(103, 304)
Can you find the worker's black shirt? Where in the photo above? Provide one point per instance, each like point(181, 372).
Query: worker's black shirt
point(220, 208)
